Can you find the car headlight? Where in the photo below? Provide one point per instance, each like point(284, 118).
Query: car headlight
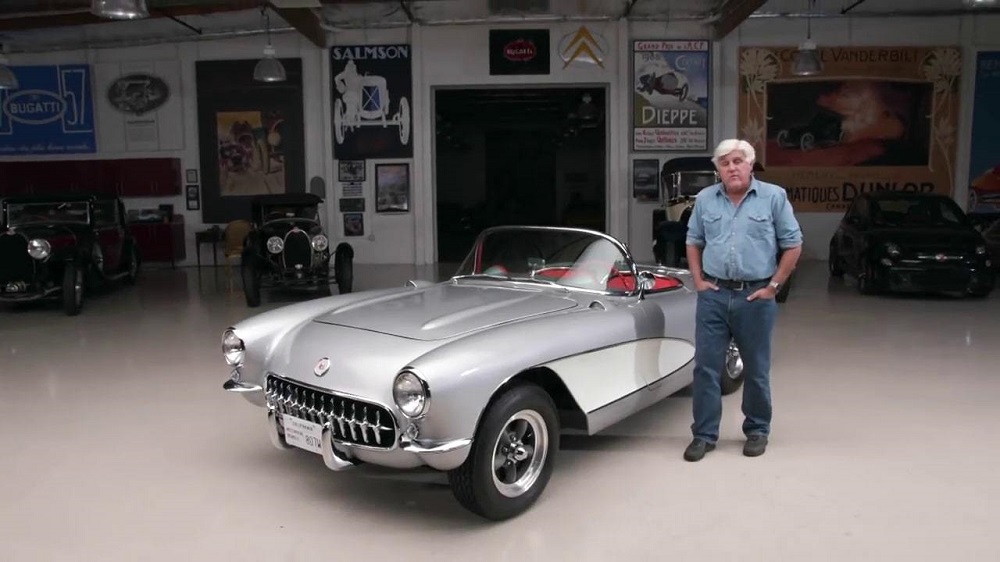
point(275, 245)
point(233, 348)
point(320, 243)
point(980, 250)
point(411, 394)
point(892, 249)
point(39, 248)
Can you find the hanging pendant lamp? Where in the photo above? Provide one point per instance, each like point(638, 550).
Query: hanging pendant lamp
point(806, 61)
point(268, 69)
point(119, 9)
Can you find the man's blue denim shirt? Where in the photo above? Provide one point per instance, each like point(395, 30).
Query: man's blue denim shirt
point(741, 243)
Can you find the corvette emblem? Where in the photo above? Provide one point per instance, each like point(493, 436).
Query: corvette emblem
point(322, 367)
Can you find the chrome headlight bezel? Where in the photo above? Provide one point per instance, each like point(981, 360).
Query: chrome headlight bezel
point(320, 243)
point(275, 244)
point(233, 348)
point(892, 249)
point(981, 250)
point(39, 248)
point(411, 394)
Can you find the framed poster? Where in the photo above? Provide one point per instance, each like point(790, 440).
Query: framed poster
point(351, 170)
point(392, 188)
point(519, 51)
point(191, 175)
point(984, 157)
point(876, 118)
point(192, 198)
point(354, 224)
point(646, 179)
point(372, 87)
point(52, 112)
point(352, 204)
point(671, 105)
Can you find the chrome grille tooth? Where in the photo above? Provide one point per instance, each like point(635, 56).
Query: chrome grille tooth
point(351, 421)
point(378, 427)
point(364, 424)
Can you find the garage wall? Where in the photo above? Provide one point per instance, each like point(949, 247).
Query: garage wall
point(457, 56)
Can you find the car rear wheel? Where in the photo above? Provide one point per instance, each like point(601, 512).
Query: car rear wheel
point(732, 377)
point(833, 263)
point(72, 289)
point(343, 267)
point(132, 266)
point(511, 459)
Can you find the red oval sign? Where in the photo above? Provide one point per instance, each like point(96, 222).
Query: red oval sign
point(520, 50)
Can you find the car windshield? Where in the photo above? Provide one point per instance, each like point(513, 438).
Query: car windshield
point(917, 211)
point(560, 256)
point(278, 212)
point(49, 211)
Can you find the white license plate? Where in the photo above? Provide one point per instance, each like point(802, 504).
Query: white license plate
point(303, 434)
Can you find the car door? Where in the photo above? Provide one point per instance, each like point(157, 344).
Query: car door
point(109, 234)
point(850, 235)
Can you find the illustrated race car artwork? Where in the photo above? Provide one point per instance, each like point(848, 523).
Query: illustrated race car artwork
point(824, 128)
point(541, 330)
point(365, 102)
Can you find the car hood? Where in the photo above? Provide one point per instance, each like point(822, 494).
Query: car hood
point(49, 231)
point(282, 226)
point(930, 237)
point(448, 310)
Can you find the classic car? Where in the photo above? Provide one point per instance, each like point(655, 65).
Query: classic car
point(287, 248)
point(991, 234)
point(984, 191)
point(910, 242)
point(541, 330)
point(824, 128)
point(657, 79)
point(56, 247)
point(681, 180)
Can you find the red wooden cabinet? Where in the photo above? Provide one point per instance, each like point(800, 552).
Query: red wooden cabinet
point(127, 177)
point(160, 241)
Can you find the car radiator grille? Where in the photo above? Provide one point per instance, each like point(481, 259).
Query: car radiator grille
point(15, 263)
point(353, 421)
point(298, 249)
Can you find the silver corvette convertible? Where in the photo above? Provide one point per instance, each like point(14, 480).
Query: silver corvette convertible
point(541, 330)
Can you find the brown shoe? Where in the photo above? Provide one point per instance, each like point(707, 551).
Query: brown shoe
point(755, 445)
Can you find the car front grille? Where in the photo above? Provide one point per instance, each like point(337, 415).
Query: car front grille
point(298, 249)
point(15, 263)
point(353, 421)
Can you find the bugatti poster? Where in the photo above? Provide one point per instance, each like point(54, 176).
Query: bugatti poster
point(670, 97)
point(876, 118)
point(372, 97)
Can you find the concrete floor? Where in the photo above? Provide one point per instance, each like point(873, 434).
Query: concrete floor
point(120, 444)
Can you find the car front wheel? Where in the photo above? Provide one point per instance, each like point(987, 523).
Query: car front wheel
point(72, 289)
point(512, 455)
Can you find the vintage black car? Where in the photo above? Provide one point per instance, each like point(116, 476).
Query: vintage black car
point(911, 242)
point(59, 246)
point(681, 180)
point(824, 128)
point(287, 248)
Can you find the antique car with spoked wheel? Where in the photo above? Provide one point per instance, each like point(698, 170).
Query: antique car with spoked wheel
point(57, 247)
point(894, 241)
point(541, 330)
point(288, 249)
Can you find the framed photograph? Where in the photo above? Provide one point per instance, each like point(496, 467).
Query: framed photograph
point(191, 175)
point(646, 179)
point(392, 188)
point(354, 224)
point(192, 197)
point(351, 170)
point(352, 205)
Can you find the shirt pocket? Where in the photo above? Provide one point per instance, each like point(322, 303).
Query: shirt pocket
point(760, 226)
point(712, 223)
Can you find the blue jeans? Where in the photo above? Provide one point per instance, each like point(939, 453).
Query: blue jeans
point(722, 315)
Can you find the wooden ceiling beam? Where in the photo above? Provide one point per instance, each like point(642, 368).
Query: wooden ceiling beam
point(307, 21)
point(734, 12)
point(9, 21)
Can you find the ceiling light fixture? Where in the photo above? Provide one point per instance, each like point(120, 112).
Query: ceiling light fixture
point(119, 9)
point(806, 61)
point(268, 69)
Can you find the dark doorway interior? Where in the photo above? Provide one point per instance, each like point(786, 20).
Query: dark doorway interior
point(517, 156)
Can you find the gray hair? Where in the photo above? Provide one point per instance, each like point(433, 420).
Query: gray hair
point(729, 145)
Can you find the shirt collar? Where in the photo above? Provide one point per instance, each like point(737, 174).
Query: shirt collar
point(721, 190)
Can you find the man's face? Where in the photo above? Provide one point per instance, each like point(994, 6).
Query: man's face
point(734, 168)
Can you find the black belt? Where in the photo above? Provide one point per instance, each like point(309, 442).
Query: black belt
point(734, 284)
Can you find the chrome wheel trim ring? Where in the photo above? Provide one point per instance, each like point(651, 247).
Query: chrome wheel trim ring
point(734, 363)
point(505, 450)
point(78, 287)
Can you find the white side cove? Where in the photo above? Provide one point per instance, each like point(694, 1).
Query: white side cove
point(600, 377)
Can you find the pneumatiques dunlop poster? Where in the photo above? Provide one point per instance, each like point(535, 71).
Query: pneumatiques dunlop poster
point(875, 118)
point(984, 153)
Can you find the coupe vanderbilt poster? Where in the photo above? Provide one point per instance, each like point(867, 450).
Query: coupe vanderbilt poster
point(876, 118)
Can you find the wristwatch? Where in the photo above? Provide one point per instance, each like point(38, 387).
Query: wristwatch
point(774, 285)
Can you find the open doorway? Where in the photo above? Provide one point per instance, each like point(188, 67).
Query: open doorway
point(517, 155)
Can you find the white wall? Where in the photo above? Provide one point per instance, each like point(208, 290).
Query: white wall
point(457, 56)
